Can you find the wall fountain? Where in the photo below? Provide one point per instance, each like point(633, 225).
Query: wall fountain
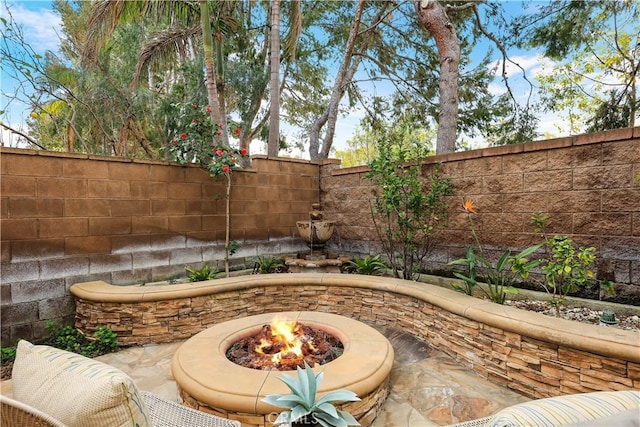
point(315, 232)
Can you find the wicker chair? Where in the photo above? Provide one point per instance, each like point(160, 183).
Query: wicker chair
point(163, 413)
point(14, 413)
point(480, 422)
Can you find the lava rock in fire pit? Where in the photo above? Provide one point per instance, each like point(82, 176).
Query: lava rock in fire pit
point(285, 347)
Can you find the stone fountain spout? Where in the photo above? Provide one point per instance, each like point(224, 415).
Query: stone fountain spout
point(315, 232)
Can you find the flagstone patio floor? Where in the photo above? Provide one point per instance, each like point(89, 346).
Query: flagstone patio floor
point(428, 388)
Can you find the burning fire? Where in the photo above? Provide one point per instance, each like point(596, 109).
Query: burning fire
point(286, 340)
point(285, 345)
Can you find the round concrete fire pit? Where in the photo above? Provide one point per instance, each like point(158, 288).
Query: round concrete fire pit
point(208, 381)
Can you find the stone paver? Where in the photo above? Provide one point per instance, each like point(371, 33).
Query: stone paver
point(428, 388)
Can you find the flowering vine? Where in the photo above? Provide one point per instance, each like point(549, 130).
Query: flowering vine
point(200, 140)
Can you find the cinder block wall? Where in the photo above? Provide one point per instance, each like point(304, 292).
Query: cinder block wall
point(585, 184)
point(69, 218)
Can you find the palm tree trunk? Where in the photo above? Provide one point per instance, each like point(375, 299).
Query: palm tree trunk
point(212, 91)
point(274, 112)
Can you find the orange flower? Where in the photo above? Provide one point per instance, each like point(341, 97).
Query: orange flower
point(469, 206)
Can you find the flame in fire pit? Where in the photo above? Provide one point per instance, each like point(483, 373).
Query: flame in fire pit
point(285, 344)
point(286, 340)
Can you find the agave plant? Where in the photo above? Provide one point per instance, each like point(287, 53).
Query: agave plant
point(302, 403)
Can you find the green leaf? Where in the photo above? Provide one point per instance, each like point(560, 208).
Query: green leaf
point(339, 396)
point(328, 408)
point(528, 251)
point(348, 418)
point(293, 384)
point(299, 412)
point(463, 277)
point(503, 260)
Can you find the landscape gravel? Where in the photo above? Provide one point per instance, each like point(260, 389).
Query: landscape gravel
point(579, 314)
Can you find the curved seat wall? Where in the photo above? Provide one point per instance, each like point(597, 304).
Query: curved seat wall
point(538, 355)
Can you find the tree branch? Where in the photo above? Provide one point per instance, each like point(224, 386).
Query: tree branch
point(22, 134)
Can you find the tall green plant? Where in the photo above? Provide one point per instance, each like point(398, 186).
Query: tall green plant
point(500, 277)
point(407, 209)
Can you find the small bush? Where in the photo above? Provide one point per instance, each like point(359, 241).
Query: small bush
point(369, 265)
point(269, 265)
point(70, 339)
point(205, 273)
point(7, 355)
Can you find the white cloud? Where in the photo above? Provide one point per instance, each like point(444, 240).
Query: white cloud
point(41, 26)
point(532, 65)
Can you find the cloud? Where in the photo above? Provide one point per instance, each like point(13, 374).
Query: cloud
point(531, 64)
point(41, 26)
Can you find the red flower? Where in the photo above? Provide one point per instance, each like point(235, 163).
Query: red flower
point(219, 152)
point(194, 121)
point(243, 152)
point(208, 109)
point(233, 160)
point(194, 106)
point(175, 143)
point(237, 131)
point(183, 136)
point(219, 132)
point(225, 169)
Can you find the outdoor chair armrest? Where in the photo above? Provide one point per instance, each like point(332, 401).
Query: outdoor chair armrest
point(165, 413)
point(480, 422)
point(15, 413)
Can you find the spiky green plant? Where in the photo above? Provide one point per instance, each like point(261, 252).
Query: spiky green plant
point(269, 265)
point(205, 273)
point(302, 403)
point(369, 265)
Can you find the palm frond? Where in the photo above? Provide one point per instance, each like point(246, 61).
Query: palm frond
point(164, 46)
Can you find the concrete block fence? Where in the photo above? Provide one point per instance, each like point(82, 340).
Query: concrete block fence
point(588, 186)
point(70, 218)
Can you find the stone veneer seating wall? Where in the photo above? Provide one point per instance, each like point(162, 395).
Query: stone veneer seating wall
point(537, 355)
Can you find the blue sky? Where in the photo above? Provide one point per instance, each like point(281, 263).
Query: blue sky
point(42, 28)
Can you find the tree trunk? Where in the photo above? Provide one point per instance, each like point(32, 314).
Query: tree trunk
point(212, 91)
point(433, 16)
point(347, 70)
point(274, 87)
point(339, 87)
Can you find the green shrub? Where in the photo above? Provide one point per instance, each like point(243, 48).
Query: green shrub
point(407, 208)
point(7, 355)
point(304, 406)
point(70, 339)
point(205, 273)
point(269, 265)
point(369, 265)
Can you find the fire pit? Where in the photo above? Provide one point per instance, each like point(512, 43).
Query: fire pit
point(209, 381)
point(285, 345)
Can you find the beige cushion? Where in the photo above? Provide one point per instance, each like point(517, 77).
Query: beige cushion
point(572, 409)
point(76, 390)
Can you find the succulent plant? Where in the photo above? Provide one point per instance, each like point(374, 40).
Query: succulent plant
point(302, 403)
